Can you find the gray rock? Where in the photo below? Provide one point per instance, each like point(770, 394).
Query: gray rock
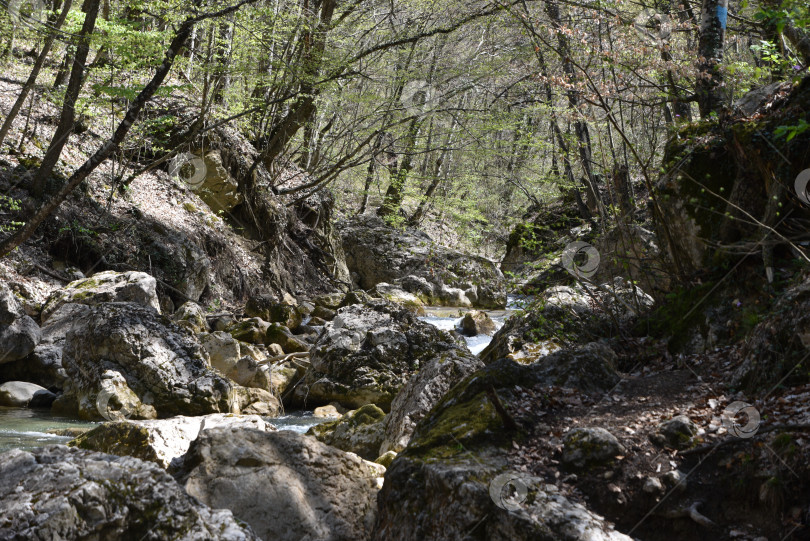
point(20, 394)
point(191, 316)
point(281, 335)
point(436, 274)
point(367, 353)
point(19, 334)
point(44, 365)
point(219, 189)
point(252, 331)
point(163, 441)
point(422, 392)
point(653, 485)
point(447, 483)
point(475, 323)
point(286, 486)
point(123, 356)
point(593, 446)
point(57, 492)
point(269, 309)
point(359, 432)
point(676, 432)
point(450, 499)
point(327, 314)
point(107, 286)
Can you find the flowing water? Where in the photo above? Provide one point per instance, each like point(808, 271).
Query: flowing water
point(25, 428)
point(449, 318)
point(22, 428)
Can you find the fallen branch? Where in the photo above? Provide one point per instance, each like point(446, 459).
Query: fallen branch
point(693, 513)
point(286, 357)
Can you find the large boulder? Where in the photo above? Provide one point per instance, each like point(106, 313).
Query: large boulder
point(477, 322)
point(125, 357)
point(566, 316)
point(107, 286)
point(778, 344)
point(218, 189)
point(367, 353)
point(162, 441)
point(44, 365)
point(19, 334)
point(21, 394)
point(451, 481)
point(286, 486)
point(226, 356)
point(411, 260)
point(422, 392)
point(57, 492)
point(359, 431)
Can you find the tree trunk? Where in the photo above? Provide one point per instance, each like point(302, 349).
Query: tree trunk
point(710, 86)
point(32, 78)
point(109, 146)
point(66, 119)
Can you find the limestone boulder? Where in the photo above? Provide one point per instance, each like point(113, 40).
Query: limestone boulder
point(412, 261)
point(107, 286)
point(125, 358)
point(285, 485)
point(162, 441)
point(19, 334)
point(367, 354)
point(57, 492)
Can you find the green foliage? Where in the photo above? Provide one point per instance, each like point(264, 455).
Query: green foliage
point(789, 132)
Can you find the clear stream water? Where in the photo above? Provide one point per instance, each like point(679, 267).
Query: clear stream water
point(26, 428)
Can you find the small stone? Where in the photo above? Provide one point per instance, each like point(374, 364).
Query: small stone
point(386, 459)
point(653, 485)
point(677, 432)
point(584, 447)
point(676, 479)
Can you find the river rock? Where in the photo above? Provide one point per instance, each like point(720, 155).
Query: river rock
point(57, 492)
point(43, 366)
point(163, 441)
point(128, 354)
point(286, 486)
point(359, 432)
point(593, 446)
point(19, 334)
point(107, 286)
point(367, 353)
point(448, 482)
point(411, 260)
point(475, 323)
point(20, 394)
point(422, 392)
